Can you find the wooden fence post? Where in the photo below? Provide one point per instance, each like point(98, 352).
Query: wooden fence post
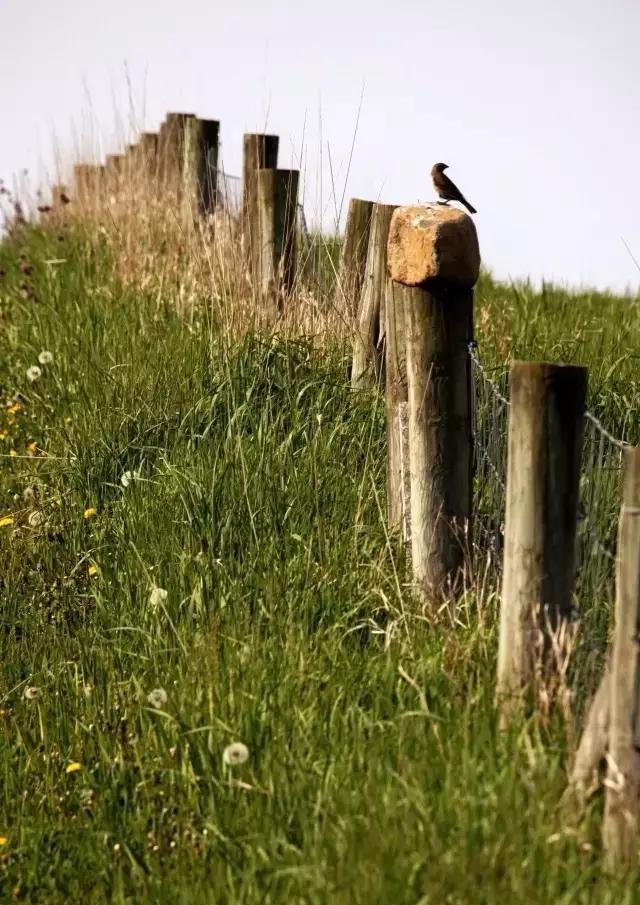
point(398, 482)
point(259, 152)
point(171, 150)
point(81, 182)
point(114, 168)
point(201, 140)
point(353, 255)
point(434, 260)
point(277, 201)
point(622, 803)
point(368, 358)
point(544, 448)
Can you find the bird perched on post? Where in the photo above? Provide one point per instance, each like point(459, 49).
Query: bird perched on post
point(446, 189)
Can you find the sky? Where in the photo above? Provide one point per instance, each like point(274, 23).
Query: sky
point(534, 105)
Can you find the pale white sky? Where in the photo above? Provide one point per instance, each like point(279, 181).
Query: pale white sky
point(535, 105)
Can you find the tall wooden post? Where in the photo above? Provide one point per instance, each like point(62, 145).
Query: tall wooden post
point(622, 804)
point(201, 164)
point(277, 197)
point(434, 260)
point(259, 152)
point(368, 359)
point(81, 182)
point(353, 255)
point(398, 482)
point(171, 151)
point(115, 165)
point(543, 472)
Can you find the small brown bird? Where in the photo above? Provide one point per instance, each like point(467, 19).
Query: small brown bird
point(446, 188)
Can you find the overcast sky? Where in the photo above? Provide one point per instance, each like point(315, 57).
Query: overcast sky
point(535, 105)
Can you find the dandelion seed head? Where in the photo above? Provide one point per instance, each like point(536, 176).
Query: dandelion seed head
point(234, 754)
point(28, 494)
point(157, 597)
point(126, 478)
point(31, 692)
point(34, 373)
point(45, 358)
point(158, 698)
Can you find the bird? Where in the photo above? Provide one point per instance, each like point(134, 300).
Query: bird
point(446, 189)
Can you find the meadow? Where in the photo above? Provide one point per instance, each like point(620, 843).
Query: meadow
point(194, 553)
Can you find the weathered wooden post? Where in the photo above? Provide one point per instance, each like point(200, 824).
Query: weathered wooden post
point(171, 150)
point(115, 167)
point(353, 255)
point(543, 472)
point(83, 182)
point(259, 152)
point(397, 405)
point(434, 262)
point(201, 140)
point(277, 199)
point(368, 357)
point(622, 802)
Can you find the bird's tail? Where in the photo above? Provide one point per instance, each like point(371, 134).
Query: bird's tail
point(471, 209)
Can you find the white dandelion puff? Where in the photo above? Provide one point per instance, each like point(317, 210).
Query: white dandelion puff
point(45, 358)
point(128, 477)
point(31, 692)
point(34, 373)
point(158, 698)
point(29, 494)
point(157, 597)
point(234, 754)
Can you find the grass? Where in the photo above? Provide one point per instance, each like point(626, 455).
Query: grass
point(256, 500)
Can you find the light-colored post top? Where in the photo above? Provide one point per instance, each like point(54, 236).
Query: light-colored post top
point(433, 244)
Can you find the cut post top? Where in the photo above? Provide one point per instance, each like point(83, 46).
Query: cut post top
point(431, 245)
point(526, 372)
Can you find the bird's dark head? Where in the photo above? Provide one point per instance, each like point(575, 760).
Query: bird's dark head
point(440, 167)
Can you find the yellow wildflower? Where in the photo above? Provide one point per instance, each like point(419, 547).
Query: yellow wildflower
point(73, 767)
point(6, 520)
point(32, 448)
point(93, 569)
point(13, 453)
point(3, 840)
point(90, 512)
point(3, 435)
point(14, 408)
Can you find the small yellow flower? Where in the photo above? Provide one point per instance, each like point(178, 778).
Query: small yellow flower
point(90, 512)
point(67, 420)
point(73, 767)
point(6, 520)
point(3, 435)
point(14, 409)
point(32, 448)
point(3, 840)
point(13, 453)
point(93, 569)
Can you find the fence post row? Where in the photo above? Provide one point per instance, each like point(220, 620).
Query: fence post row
point(353, 255)
point(368, 353)
point(259, 152)
point(546, 420)
point(434, 262)
point(277, 202)
point(620, 828)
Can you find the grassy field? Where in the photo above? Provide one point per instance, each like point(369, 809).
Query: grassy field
point(193, 553)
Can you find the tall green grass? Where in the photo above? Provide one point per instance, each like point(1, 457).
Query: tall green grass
point(256, 500)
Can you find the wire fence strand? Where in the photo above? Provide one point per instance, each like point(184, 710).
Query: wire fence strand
point(600, 483)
